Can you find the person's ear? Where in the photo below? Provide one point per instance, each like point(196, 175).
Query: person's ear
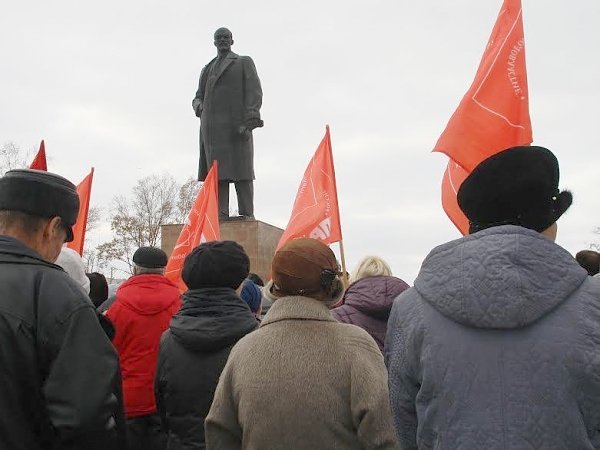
point(52, 227)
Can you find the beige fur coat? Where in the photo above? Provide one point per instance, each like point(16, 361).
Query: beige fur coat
point(302, 381)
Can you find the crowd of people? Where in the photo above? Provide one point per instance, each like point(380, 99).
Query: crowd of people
point(496, 346)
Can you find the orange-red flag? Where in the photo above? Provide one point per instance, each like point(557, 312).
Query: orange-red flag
point(494, 113)
point(84, 190)
point(316, 213)
point(453, 178)
point(202, 225)
point(39, 162)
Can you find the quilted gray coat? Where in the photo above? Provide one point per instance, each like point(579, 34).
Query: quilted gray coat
point(497, 346)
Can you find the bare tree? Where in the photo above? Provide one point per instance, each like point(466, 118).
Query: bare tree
point(187, 195)
point(11, 157)
point(155, 202)
point(596, 245)
point(91, 257)
point(94, 219)
point(136, 222)
point(94, 261)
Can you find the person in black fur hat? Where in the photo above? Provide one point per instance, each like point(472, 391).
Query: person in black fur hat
point(518, 186)
point(216, 264)
point(35, 198)
point(497, 320)
point(60, 372)
point(194, 350)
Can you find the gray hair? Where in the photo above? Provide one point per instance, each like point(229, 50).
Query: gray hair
point(139, 270)
point(29, 223)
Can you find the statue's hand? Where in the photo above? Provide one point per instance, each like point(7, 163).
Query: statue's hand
point(197, 107)
point(245, 132)
point(254, 123)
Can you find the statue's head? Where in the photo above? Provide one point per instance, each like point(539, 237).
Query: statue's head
point(223, 40)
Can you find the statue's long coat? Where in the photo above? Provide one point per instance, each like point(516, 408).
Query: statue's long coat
point(228, 97)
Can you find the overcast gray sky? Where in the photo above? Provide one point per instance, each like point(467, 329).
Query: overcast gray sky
point(109, 84)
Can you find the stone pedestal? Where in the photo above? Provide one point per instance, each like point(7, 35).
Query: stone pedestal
point(259, 239)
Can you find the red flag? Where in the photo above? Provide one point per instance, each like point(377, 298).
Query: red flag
point(39, 162)
point(316, 213)
point(453, 178)
point(494, 113)
point(84, 190)
point(202, 225)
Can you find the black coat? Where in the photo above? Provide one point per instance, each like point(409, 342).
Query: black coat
point(227, 98)
point(58, 369)
point(192, 355)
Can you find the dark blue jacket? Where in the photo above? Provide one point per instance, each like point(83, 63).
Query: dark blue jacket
point(192, 355)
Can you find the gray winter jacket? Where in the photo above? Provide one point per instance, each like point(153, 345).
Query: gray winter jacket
point(497, 346)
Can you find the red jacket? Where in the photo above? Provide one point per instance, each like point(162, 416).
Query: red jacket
point(142, 310)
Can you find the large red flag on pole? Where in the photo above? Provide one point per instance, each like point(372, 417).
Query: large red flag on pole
point(39, 162)
point(453, 178)
point(494, 113)
point(316, 213)
point(202, 225)
point(84, 190)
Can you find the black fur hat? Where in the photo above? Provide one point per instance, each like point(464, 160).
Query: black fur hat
point(40, 193)
point(216, 264)
point(518, 186)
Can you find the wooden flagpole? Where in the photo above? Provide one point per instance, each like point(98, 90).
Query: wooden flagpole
point(337, 200)
point(343, 258)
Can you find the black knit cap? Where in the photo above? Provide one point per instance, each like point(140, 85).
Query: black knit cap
point(518, 186)
point(40, 193)
point(216, 264)
point(150, 257)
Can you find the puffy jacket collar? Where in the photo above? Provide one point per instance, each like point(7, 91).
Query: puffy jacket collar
point(211, 319)
point(14, 251)
point(502, 277)
point(375, 295)
point(147, 294)
point(297, 308)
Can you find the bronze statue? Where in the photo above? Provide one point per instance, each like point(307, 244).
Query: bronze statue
point(228, 104)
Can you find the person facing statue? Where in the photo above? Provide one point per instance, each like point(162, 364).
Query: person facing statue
point(228, 104)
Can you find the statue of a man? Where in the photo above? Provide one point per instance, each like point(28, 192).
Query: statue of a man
point(228, 104)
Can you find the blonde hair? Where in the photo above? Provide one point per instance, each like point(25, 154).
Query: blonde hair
point(370, 266)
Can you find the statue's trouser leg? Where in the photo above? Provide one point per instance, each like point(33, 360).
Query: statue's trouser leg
point(223, 198)
point(245, 196)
